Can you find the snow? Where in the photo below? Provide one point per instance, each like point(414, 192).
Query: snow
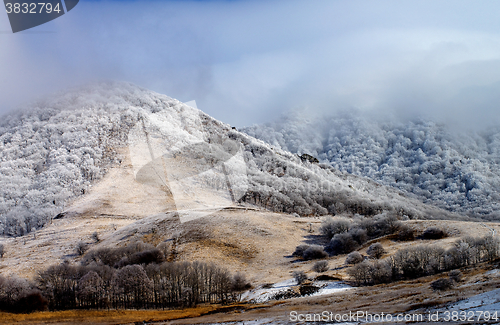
point(493, 272)
point(52, 153)
point(265, 294)
point(488, 301)
point(330, 287)
point(458, 171)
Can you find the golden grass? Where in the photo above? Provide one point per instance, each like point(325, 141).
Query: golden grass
point(103, 317)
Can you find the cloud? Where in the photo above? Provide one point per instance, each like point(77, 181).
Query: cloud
point(247, 62)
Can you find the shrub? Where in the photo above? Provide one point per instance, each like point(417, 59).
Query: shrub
point(165, 248)
point(81, 248)
point(342, 244)
point(330, 227)
point(442, 284)
point(320, 266)
point(2, 250)
point(359, 235)
point(354, 258)
point(375, 251)
point(299, 250)
point(95, 237)
point(240, 282)
point(381, 272)
point(455, 275)
point(405, 233)
point(134, 253)
point(380, 225)
point(314, 252)
point(433, 233)
point(299, 276)
point(144, 257)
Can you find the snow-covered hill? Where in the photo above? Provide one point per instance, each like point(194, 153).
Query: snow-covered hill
point(53, 151)
point(456, 171)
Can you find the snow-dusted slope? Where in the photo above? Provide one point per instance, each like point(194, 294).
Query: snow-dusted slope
point(456, 171)
point(53, 151)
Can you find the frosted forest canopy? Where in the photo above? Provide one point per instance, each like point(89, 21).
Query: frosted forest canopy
point(458, 171)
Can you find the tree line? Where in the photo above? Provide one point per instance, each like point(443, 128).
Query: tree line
point(146, 280)
point(422, 260)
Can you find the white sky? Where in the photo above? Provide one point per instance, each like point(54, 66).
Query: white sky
point(247, 62)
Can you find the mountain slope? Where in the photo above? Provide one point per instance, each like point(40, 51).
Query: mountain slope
point(178, 158)
point(459, 172)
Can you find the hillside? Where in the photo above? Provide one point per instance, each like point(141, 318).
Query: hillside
point(457, 170)
point(54, 151)
point(113, 166)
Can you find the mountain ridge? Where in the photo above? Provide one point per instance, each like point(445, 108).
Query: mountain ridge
point(54, 152)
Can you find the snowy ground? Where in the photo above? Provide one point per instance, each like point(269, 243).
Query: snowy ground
point(488, 302)
point(260, 295)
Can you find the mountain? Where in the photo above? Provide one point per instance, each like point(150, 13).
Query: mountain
point(147, 153)
point(456, 171)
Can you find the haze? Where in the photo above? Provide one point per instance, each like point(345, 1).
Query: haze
point(248, 62)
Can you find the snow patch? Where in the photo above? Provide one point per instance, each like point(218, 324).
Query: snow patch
point(261, 295)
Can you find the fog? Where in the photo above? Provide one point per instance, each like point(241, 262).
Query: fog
point(247, 62)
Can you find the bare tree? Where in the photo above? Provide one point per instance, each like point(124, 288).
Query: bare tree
point(132, 286)
point(91, 290)
point(361, 273)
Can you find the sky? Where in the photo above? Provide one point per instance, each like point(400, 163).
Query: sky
point(249, 62)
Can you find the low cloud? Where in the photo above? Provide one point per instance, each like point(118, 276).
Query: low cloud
point(247, 62)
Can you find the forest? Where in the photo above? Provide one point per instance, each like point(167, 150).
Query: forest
point(457, 170)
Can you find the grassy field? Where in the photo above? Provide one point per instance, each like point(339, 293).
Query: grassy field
point(116, 316)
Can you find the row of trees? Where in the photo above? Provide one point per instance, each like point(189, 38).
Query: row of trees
point(166, 285)
point(176, 284)
point(137, 275)
point(422, 260)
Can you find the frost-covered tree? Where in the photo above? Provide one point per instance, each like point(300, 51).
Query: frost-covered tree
point(456, 171)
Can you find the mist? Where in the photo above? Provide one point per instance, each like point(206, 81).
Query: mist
point(247, 62)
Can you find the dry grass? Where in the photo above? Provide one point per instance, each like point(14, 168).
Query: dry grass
point(121, 316)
